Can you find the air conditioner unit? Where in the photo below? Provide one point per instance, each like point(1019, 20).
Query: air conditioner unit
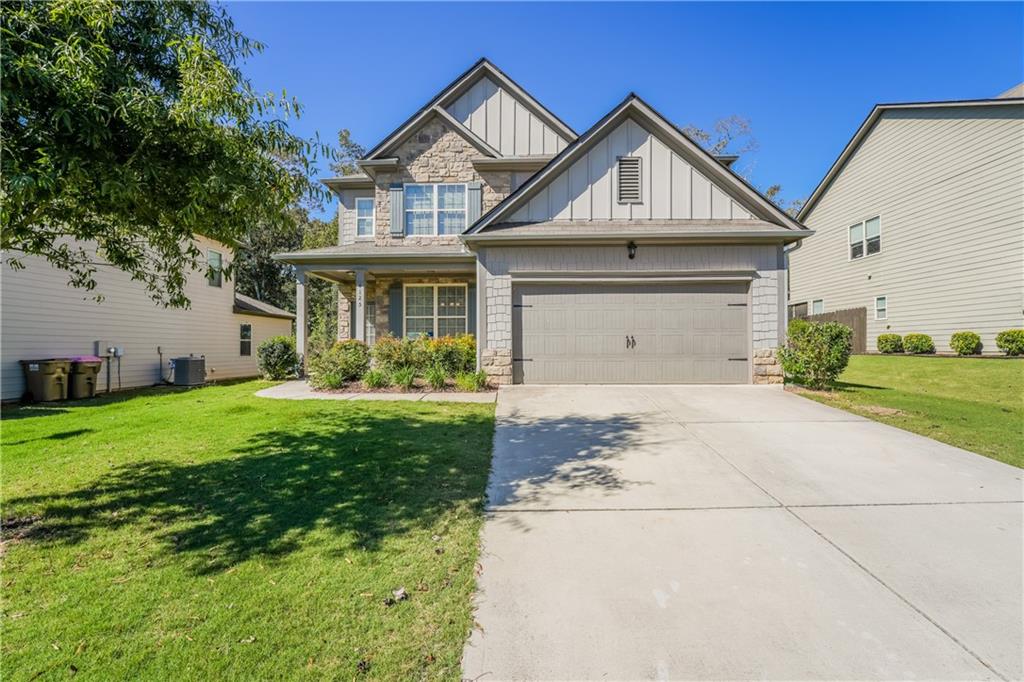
point(190, 371)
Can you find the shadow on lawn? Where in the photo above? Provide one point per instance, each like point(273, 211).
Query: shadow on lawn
point(362, 476)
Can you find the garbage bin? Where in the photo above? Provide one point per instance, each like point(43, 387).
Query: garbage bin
point(46, 380)
point(84, 369)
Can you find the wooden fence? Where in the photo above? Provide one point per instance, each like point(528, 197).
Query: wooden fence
point(854, 318)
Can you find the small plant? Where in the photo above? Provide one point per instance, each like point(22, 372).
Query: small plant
point(376, 378)
point(471, 381)
point(435, 377)
point(889, 343)
point(277, 358)
point(344, 361)
point(1011, 341)
point(918, 344)
point(816, 353)
point(404, 378)
point(965, 343)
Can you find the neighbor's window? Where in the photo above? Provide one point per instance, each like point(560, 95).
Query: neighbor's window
point(817, 307)
point(435, 209)
point(245, 339)
point(364, 217)
point(865, 238)
point(214, 268)
point(435, 309)
point(881, 308)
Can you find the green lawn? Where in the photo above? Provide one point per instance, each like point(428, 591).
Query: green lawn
point(210, 534)
point(975, 404)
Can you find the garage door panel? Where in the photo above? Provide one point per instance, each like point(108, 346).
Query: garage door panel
point(680, 333)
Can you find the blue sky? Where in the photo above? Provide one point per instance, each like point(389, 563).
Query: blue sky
point(805, 75)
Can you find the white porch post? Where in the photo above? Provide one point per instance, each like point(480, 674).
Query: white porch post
point(301, 315)
point(360, 330)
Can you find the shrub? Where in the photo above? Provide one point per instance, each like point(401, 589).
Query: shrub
point(471, 381)
point(435, 376)
point(965, 343)
point(391, 354)
point(816, 352)
point(404, 378)
point(375, 378)
point(342, 362)
point(1011, 341)
point(889, 343)
point(454, 354)
point(918, 344)
point(277, 358)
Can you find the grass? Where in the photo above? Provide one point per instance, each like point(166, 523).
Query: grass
point(975, 404)
point(210, 534)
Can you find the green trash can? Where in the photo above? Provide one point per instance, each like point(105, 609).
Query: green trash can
point(46, 380)
point(84, 370)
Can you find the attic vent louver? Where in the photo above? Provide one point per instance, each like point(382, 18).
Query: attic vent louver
point(629, 180)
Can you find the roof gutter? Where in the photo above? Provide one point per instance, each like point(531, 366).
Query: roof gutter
point(716, 237)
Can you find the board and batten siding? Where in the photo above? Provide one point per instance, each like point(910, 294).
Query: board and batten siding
point(671, 188)
point(504, 122)
point(43, 317)
point(948, 185)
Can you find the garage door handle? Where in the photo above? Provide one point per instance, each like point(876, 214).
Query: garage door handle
point(630, 341)
point(738, 359)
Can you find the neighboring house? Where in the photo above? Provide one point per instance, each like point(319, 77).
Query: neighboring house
point(44, 317)
point(627, 254)
point(921, 221)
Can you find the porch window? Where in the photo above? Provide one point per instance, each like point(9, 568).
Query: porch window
point(435, 209)
point(364, 217)
point(435, 309)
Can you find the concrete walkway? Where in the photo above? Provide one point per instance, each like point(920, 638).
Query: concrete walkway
point(739, 533)
point(300, 390)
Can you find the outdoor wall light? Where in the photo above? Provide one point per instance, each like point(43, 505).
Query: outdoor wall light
point(631, 249)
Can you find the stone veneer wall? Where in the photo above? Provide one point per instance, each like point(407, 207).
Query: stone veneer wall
point(767, 295)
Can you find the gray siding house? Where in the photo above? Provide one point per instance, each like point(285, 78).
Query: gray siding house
point(921, 222)
point(626, 254)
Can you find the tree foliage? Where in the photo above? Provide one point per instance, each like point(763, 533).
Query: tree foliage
point(347, 154)
point(129, 125)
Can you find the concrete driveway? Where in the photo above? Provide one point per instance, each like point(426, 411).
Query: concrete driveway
point(739, 533)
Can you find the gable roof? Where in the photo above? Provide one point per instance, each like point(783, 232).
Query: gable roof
point(635, 107)
point(872, 119)
point(481, 69)
point(246, 305)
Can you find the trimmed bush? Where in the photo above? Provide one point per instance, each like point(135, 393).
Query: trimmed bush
point(453, 354)
point(404, 378)
point(277, 358)
point(435, 376)
point(918, 344)
point(343, 362)
point(965, 343)
point(889, 343)
point(391, 354)
point(375, 378)
point(471, 381)
point(816, 353)
point(1011, 341)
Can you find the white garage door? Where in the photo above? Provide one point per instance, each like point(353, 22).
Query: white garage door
point(631, 333)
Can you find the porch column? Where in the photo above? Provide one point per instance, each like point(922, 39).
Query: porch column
point(301, 314)
point(360, 330)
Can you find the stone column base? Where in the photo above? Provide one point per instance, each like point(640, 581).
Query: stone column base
point(767, 369)
point(497, 363)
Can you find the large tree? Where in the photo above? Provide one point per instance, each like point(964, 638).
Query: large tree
point(129, 125)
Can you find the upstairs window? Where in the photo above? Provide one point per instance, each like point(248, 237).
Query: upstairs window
point(865, 238)
point(214, 269)
point(364, 217)
point(435, 209)
point(629, 180)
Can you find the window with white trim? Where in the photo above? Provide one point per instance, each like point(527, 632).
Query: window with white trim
point(817, 306)
point(435, 209)
point(435, 310)
point(245, 339)
point(865, 238)
point(364, 217)
point(881, 308)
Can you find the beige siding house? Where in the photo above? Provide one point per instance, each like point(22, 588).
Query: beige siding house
point(626, 254)
point(921, 222)
point(42, 317)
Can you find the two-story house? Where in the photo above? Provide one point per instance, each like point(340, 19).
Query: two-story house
point(921, 221)
point(627, 254)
